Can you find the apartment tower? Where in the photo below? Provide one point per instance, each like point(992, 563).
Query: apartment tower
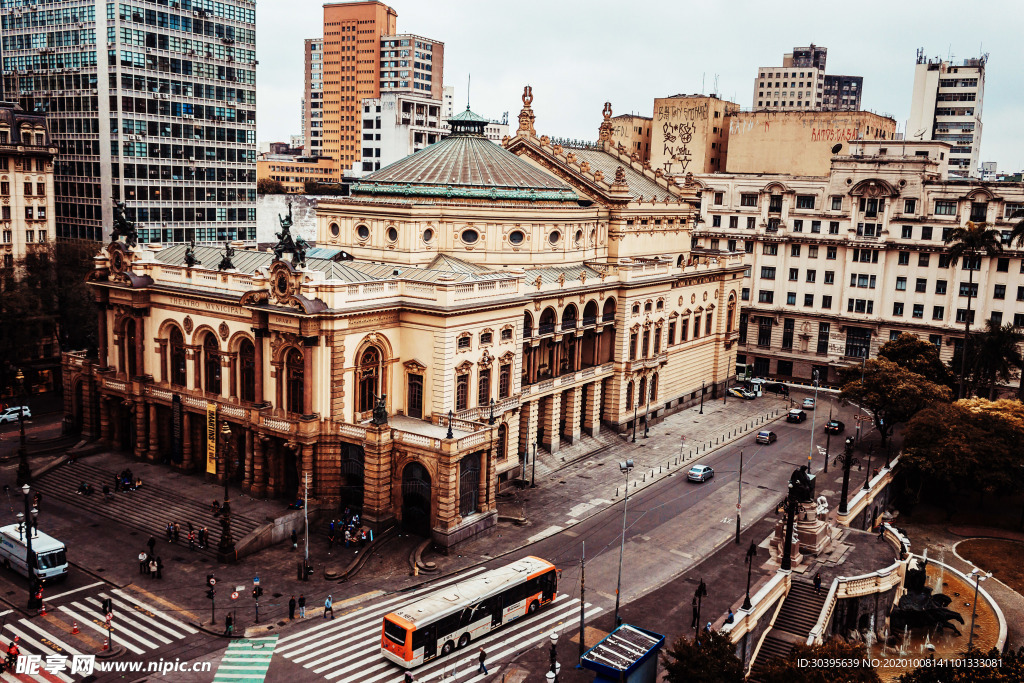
point(313, 98)
point(162, 117)
point(947, 106)
point(801, 83)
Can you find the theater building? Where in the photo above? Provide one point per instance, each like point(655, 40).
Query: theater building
point(462, 306)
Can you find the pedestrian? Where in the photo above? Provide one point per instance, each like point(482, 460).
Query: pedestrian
point(348, 537)
point(291, 608)
point(229, 625)
point(328, 607)
point(695, 613)
point(302, 606)
point(143, 563)
point(152, 568)
point(295, 539)
point(191, 539)
point(117, 483)
point(731, 617)
point(483, 665)
point(817, 582)
point(177, 532)
point(409, 677)
point(881, 530)
point(708, 627)
point(159, 569)
point(170, 532)
point(202, 537)
point(152, 544)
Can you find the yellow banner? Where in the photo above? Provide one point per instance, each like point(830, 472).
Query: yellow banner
point(211, 438)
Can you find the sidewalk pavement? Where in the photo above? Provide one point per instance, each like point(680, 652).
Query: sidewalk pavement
point(38, 429)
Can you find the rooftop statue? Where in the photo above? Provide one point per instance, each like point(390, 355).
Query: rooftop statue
point(123, 227)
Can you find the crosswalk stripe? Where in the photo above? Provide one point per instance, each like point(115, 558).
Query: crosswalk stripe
point(376, 610)
point(51, 598)
point(233, 668)
point(138, 603)
point(129, 605)
point(122, 618)
point(102, 631)
point(121, 634)
point(64, 646)
point(40, 648)
point(515, 630)
point(41, 677)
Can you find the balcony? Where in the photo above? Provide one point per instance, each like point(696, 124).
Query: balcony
point(654, 361)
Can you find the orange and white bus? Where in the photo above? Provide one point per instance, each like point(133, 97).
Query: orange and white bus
point(453, 616)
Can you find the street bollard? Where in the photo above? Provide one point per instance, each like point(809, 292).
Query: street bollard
point(616, 491)
point(659, 469)
point(644, 477)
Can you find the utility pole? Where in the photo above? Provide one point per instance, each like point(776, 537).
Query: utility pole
point(828, 437)
point(814, 414)
point(739, 498)
point(583, 598)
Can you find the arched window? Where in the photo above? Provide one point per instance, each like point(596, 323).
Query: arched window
point(642, 394)
point(502, 450)
point(527, 324)
point(654, 388)
point(369, 378)
point(609, 310)
point(469, 483)
point(293, 369)
point(211, 363)
point(179, 373)
point(247, 371)
point(629, 396)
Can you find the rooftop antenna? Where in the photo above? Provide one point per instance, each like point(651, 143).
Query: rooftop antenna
point(469, 80)
point(716, 85)
point(702, 83)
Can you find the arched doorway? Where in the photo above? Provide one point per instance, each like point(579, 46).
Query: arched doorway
point(416, 499)
point(351, 490)
point(469, 484)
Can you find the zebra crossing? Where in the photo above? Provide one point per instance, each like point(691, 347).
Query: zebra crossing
point(138, 627)
point(347, 649)
point(246, 660)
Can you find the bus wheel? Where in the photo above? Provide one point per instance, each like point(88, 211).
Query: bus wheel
point(463, 640)
point(7, 563)
point(447, 648)
point(534, 606)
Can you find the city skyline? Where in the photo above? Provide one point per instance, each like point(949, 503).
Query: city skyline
point(879, 45)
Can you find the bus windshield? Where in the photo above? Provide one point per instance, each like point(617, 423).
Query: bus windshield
point(51, 560)
point(394, 632)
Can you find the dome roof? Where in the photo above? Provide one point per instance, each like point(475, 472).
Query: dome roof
point(465, 164)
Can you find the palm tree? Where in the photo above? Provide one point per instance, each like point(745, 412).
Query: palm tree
point(969, 243)
point(996, 356)
point(1017, 232)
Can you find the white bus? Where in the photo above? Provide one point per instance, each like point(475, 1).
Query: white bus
point(453, 616)
point(51, 556)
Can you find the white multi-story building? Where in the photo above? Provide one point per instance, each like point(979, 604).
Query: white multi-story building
point(313, 98)
point(163, 116)
point(946, 106)
point(839, 264)
point(396, 125)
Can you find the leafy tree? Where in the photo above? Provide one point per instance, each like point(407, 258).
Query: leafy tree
point(269, 186)
point(789, 670)
point(1011, 669)
point(890, 392)
point(76, 307)
point(969, 243)
point(917, 355)
point(712, 659)
point(993, 356)
point(1017, 233)
point(313, 187)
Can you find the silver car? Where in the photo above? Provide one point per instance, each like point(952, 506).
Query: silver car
point(700, 473)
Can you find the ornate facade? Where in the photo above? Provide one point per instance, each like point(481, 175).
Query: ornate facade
point(486, 299)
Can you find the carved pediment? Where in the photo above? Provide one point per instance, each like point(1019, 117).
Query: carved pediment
point(414, 366)
point(284, 289)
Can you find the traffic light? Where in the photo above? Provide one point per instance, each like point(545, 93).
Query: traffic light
point(210, 593)
point(257, 591)
point(108, 606)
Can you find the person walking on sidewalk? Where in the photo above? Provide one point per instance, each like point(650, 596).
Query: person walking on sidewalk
point(143, 563)
point(328, 607)
point(291, 608)
point(295, 539)
point(191, 540)
point(229, 625)
point(817, 582)
point(152, 544)
point(202, 537)
point(177, 532)
point(483, 663)
point(170, 532)
point(152, 567)
point(302, 606)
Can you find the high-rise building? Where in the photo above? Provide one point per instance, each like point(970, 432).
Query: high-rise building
point(351, 71)
point(947, 106)
point(163, 118)
point(26, 183)
point(313, 98)
point(801, 83)
point(412, 64)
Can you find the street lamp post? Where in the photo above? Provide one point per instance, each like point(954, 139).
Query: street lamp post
point(828, 436)
point(635, 405)
point(701, 397)
point(814, 415)
point(978, 577)
point(27, 520)
point(751, 554)
point(847, 459)
point(226, 549)
point(787, 544)
point(24, 469)
point(867, 477)
point(555, 668)
point(533, 471)
point(624, 467)
point(647, 412)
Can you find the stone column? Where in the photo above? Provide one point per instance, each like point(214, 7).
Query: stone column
point(310, 344)
point(486, 460)
point(573, 397)
point(105, 432)
point(232, 375)
point(551, 419)
point(140, 346)
point(273, 455)
point(578, 362)
point(306, 469)
point(89, 417)
point(259, 335)
point(597, 347)
point(534, 362)
point(592, 409)
point(529, 414)
point(446, 495)
point(259, 459)
point(194, 363)
point(186, 442)
point(247, 476)
point(101, 321)
point(154, 435)
point(141, 442)
point(165, 375)
point(378, 509)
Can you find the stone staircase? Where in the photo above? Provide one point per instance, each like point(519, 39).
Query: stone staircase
point(587, 446)
point(147, 509)
point(800, 611)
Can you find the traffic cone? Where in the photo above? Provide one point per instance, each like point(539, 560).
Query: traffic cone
point(43, 611)
point(74, 629)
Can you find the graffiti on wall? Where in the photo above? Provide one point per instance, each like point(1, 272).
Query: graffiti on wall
point(833, 134)
point(675, 138)
point(669, 112)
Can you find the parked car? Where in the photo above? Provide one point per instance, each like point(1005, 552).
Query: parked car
point(14, 414)
point(766, 436)
point(834, 427)
point(700, 473)
point(742, 393)
point(809, 403)
point(796, 415)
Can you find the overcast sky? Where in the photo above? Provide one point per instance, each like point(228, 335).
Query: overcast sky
point(578, 54)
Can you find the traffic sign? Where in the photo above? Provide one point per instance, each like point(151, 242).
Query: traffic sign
point(234, 595)
point(213, 581)
point(109, 616)
point(256, 581)
point(239, 589)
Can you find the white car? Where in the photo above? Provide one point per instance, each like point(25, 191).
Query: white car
point(14, 414)
point(809, 403)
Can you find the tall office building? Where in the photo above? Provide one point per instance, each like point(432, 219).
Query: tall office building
point(412, 64)
point(801, 83)
point(313, 98)
point(164, 118)
point(947, 106)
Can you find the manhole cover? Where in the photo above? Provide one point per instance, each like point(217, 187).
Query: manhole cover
point(277, 595)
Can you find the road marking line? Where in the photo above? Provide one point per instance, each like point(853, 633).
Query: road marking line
point(134, 602)
point(93, 625)
point(64, 646)
point(43, 649)
point(61, 595)
point(157, 599)
point(130, 621)
point(51, 619)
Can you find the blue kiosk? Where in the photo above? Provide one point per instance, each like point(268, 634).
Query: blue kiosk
point(628, 654)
